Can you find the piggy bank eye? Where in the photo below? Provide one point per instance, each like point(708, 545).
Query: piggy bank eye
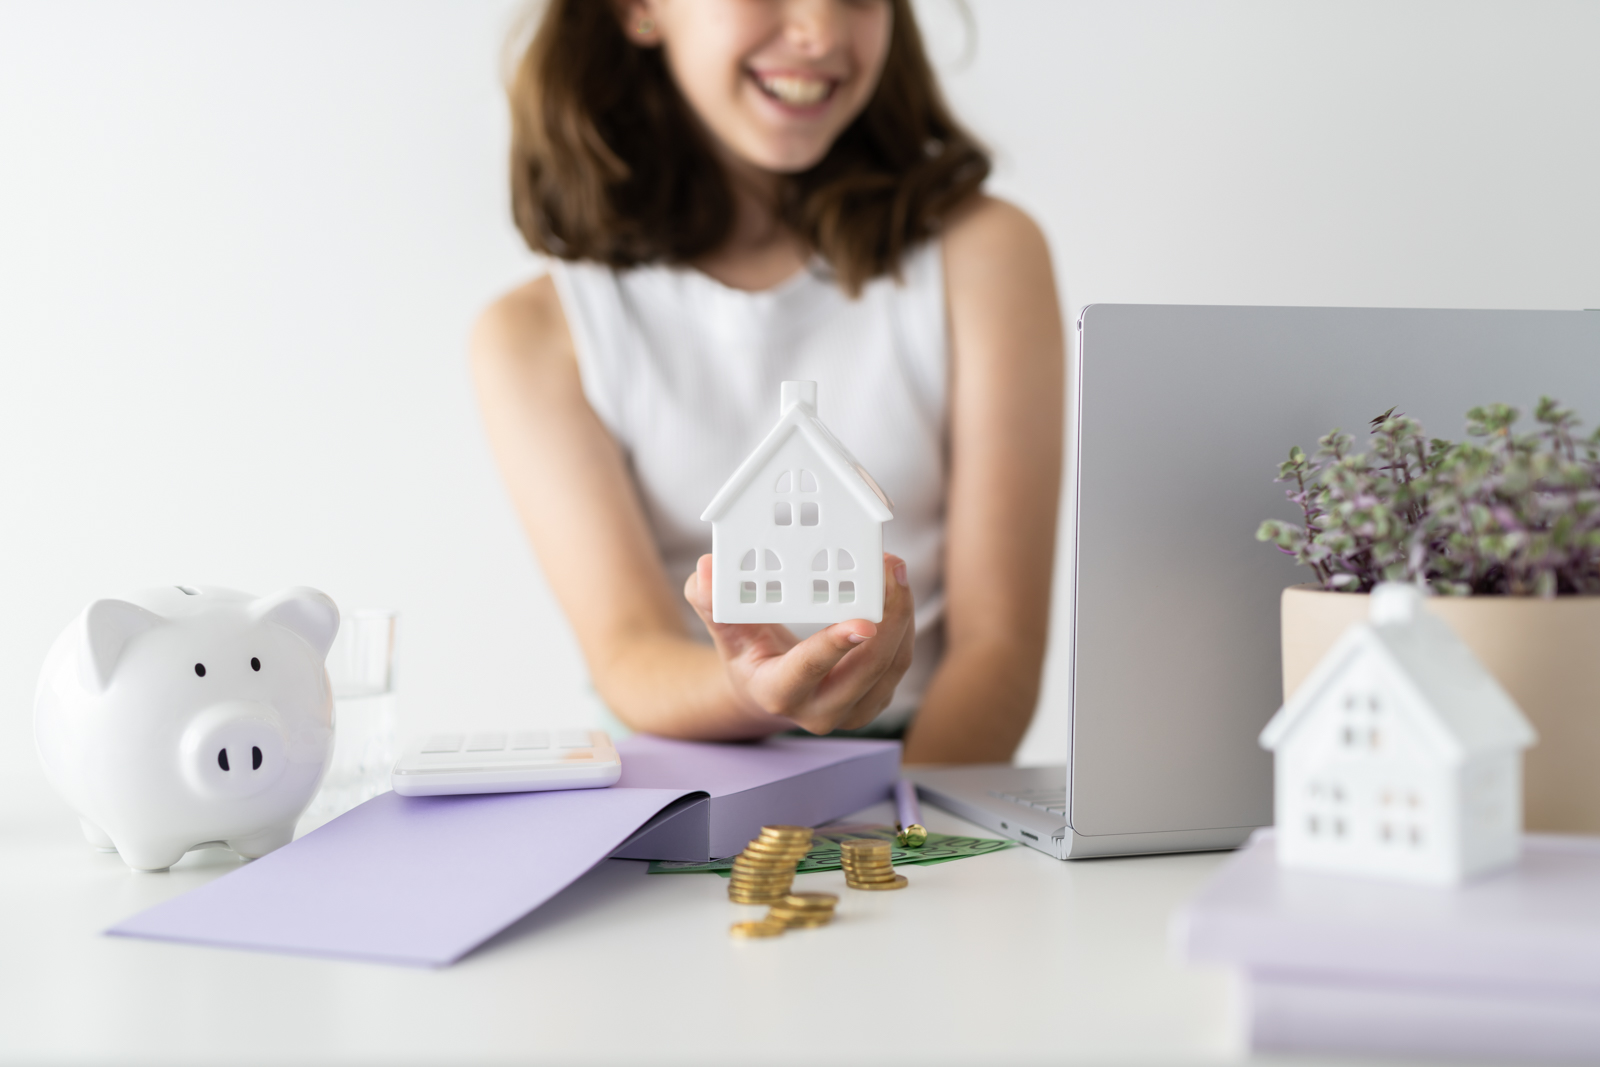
point(255, 664)
point(200, 669)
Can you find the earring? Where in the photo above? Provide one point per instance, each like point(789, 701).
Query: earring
point(645, 26)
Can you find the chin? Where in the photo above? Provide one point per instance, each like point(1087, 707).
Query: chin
point(787, 159)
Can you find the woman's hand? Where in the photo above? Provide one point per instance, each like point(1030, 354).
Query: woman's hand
point(838, 678)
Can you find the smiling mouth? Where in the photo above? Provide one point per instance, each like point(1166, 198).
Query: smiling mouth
point(794, 90)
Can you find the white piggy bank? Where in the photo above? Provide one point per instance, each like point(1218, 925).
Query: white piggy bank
point(177, 717)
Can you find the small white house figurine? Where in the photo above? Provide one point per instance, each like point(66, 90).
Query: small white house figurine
point(797, 532)
point(1400, 756)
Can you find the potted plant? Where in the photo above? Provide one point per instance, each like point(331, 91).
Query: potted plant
point(1504, 529)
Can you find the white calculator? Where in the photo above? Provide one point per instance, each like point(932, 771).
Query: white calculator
point(521, 761)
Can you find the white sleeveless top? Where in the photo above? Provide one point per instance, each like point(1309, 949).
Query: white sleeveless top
point(685, 373)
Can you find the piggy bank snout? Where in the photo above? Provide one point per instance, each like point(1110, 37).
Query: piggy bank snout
point(233, 750)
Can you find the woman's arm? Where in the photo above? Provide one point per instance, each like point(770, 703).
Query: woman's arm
point(1007, 394)
point(571, 488)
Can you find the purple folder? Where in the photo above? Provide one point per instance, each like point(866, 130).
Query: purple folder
point(1506, 966)
point(425, 880)
point(804, 781)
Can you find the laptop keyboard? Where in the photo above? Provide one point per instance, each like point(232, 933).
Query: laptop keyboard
point(1052, 800)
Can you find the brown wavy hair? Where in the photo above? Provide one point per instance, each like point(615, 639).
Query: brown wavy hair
point(608, 164)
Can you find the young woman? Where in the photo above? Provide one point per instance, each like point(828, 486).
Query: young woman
point(735, 193)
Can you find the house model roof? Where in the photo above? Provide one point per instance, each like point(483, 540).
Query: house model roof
point(798, 415)
point(1465, 711)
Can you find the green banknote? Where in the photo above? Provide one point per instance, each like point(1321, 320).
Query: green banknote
point(824, 854)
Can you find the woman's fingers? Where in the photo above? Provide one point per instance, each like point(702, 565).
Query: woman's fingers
point(860, 686)
point(882, 692)
point(843, 675)
point(787, 684)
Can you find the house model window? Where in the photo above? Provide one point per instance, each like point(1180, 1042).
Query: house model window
point(1399, 756)
point(797, 531)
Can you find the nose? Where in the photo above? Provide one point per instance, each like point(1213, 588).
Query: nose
point(810, 26)
point(235, 749)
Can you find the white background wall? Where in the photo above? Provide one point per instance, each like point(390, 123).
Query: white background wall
point(240, 247)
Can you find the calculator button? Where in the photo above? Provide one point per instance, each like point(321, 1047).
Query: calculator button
point(530, 739)
point(573, 739)
point(443, 743)
point(486, 742)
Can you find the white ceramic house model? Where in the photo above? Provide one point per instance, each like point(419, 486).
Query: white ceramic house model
point(797, 532)
point(1399, 756)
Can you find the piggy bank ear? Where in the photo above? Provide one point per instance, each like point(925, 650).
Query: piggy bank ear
point(105, 629)
point(308, 612)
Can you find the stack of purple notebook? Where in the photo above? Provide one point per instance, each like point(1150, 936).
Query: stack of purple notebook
point(1505, 967)
point(425, 880)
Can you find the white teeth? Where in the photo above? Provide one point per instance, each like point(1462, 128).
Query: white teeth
point(797, 91)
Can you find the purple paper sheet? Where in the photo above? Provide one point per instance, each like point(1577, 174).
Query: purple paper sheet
point(425, 880)
point(414, 880)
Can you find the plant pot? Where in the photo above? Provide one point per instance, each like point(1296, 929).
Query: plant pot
point(1546, 653)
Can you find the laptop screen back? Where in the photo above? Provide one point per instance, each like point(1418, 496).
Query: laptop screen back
point(1184, 414)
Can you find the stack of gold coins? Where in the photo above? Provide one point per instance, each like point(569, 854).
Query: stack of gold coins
point(867, 865)
point(764, 871)
point(804, 910)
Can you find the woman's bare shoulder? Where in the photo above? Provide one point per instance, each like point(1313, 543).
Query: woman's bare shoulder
point(524, 326)
point(987, 226)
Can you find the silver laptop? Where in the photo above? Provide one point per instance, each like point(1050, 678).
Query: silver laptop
point(1183, 415)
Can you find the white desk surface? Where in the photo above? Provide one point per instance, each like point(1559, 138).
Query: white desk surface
point(1007, 958)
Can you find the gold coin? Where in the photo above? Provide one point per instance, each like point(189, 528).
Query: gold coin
point(810, 899)
point(785, 831)
point(864, 844)
point(900, 882)
point(767, 851)
point(762, 877)
point(792, 917)
point(789, 909)
point(760, 928)
point(768, 862)
point(744, 863)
